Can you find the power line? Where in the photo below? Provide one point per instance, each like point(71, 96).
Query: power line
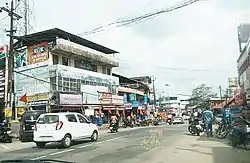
point(134, 20)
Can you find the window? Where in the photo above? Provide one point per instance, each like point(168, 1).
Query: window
point(71, 118)
point(81, 119)
point(65, 61)
point(55, 59)
point(66, 85)
point(108, 71)
point(48, 119)
point(60, 84)
point(104, 70)
point(72, 85)
point(53, 83)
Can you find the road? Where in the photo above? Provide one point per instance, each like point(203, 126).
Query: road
point(159, 144)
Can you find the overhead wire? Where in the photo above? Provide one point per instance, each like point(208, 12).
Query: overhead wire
point(134, 20)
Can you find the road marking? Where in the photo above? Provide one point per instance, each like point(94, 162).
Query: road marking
point(60, 152)
point(38, 158)
point(4, 146)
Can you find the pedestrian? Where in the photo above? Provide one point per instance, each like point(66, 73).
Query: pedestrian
point(208, 120)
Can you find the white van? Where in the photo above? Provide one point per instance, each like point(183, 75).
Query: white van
point(63, 127)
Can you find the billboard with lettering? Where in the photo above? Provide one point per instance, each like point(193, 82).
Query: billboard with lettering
point(38, 53)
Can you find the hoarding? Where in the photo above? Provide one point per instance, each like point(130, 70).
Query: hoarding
point(38, 53)
point(3, 51)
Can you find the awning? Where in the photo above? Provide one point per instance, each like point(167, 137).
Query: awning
point(113, 108)
point(224, 103)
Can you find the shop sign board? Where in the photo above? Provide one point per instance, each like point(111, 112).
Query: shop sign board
point(73, 99)
point(3, 51)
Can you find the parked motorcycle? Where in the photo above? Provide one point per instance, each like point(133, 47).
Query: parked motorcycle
point(170, 121)
point(113, 127)
point(240, 135)
point(5, 132)
point(156, 122)
point(223, 130)
point(127, 124)
point(145, 123)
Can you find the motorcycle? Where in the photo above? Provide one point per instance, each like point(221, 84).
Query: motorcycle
point(145, 123)
point(240, 136)
point(127, 124)
point(5, 132)
point(195, 127)
point(113, 127)
point(223, 130)
point(169, 121)
point(156, 122)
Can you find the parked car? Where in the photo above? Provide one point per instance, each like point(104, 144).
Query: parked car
point(27, 123)
point(178, 120)
point(63, 127)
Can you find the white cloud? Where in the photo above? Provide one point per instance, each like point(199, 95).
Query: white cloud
point(200, 36)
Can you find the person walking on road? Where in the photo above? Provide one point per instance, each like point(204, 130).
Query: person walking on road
point(208, 120)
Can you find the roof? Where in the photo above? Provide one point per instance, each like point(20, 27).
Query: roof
point(224, 103)
point(123, 79)
point(52, 34)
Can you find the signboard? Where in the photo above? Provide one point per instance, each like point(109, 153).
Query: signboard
point(20, 58)
point(117, 100)
point(3, 51)
point(105, 98)
point(2, 85)
point(73, 99)
point(38, 53)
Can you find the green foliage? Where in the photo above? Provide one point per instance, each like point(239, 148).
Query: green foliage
point(201, 96)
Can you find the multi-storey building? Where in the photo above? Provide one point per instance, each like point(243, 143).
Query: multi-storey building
point(57, 70)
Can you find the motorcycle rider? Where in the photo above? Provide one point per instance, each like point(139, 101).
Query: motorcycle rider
point(226, 116)
point(114, 119)
point(208, 120)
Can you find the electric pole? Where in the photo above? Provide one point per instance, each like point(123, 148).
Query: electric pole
point(26, 17)
point(220, 92)
point(153, 80)
point(13, 16)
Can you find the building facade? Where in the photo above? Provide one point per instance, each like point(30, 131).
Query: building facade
point(57, 71)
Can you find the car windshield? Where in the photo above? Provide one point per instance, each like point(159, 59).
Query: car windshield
point(48, 119)
point(32, 116)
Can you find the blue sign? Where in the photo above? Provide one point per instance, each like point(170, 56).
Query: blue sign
point(125, 98)
point(135, 104)
point(145, 98)
point(132, 97)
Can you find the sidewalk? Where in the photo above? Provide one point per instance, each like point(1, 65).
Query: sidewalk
point(200, 149)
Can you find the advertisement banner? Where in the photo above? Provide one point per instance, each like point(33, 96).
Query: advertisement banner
point(3, 51)
point(117, 100)
point(132, 97)
point(145, 99)
point(125, 98)
point(20, 58)
point(73, 99)
point(38, 53)
point(2, 85)
point(90, 94)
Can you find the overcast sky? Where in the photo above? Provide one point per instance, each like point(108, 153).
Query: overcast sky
point(202, 36)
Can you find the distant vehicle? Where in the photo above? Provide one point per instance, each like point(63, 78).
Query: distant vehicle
point(63, 127)
point(27, 123)
point(185, 117)
point(178, 120)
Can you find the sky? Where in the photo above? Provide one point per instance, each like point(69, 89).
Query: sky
point(202, 36)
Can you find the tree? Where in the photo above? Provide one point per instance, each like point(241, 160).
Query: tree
point(201, 95)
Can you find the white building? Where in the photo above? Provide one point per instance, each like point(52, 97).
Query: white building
point(63, 71)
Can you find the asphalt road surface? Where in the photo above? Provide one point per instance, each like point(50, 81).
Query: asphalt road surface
point(159, 144)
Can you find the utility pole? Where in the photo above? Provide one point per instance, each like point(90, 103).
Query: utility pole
point(153, 80)
point(13, 16)
point(220, 92)
point(26, 7)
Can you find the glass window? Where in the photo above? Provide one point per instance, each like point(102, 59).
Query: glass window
point(104, 70)
point(71, 118)
point(66, 85)
point(48, 119)
point(53, 83)
point(60, 84)
point(65, 61)
point(55, 59)
point(81, 119)
point(108, 71)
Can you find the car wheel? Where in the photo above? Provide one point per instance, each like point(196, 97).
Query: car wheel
point(94, 136)
point(21, 138)
point(66, 142)
point(40, 144)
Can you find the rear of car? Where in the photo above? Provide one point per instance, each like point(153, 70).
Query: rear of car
point(48, 128)
point(27, 123)
point(178, 120)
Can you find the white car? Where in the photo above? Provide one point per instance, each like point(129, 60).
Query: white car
point(63, 127)
point(178, 120)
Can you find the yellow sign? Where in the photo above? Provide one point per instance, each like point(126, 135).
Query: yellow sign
point(20, 112)
point(8, 112)
point(38, 97)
